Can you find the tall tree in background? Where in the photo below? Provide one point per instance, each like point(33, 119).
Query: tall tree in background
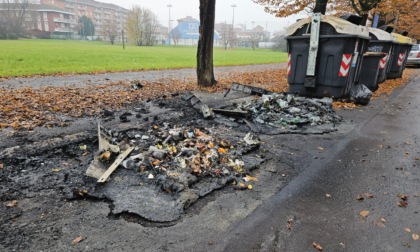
point(205, 72)
point(13, 14)
point(142, 25)
point(86, 27)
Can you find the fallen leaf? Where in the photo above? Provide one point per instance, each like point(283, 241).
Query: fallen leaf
point(290, 223)
point(320, 148)
point(105, 156)
point(364, 213)
point(85, 153)
point(12, 203)
point(402, 203)
point(360, 197)
point(222, 150)
point(317, 246)
point(383, 220)
point(77, 240)
point(407, 230)
point(1, 166)
point(370, 196)
point(416, 159)
point(250, 178)
point(56, 170)
point(328, 195)
point(156, 162)
point(415, 237)
point(404, 197)
point(83, 147)
point(250, 187)
point(407, 154)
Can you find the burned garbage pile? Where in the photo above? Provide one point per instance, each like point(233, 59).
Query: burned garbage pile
point(290, 113)
point(168, 168)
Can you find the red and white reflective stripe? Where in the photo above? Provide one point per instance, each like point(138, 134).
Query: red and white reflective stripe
point(345, 65)
point(401, 59)
point(383, 62)
point(289, 63)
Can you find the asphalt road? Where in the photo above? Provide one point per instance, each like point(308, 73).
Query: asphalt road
point(378, 160)
point(306, 193)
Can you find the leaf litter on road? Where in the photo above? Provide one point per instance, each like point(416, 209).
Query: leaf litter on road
point(27, 107)
point(364, 213)
point(317, 246)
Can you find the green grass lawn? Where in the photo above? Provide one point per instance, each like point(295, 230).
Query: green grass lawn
point(33, 57)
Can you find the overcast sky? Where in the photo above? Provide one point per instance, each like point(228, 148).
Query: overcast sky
point(246, 12)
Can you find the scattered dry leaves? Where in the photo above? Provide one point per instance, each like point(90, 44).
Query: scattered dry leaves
point(402, 203)
point(290, 223)
point(76, 240)
point(364, 213)
point(12, 203)
point(404, 197)
point(370, 196)
point(27, 108)
point(317, 246)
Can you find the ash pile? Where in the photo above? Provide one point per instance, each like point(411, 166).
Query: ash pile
point(165, 169)
point(157, 171)
point(271, 113)
point(287, 113)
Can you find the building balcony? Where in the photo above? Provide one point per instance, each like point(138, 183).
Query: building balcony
point(60, 29)
point(64, 20)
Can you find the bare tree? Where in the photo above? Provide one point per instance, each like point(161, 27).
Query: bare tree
point(255, 38)
point(142, 25)
point(228, 35)
point(12, 16)
point(205, 71)
point(110, 31)
point(176, 35)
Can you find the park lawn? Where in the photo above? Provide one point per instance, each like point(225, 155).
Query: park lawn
point(47, 57)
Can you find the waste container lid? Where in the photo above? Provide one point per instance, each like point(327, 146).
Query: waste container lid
point(381, 34)
point(341, 26)
point(374, 54)
point(400, 39)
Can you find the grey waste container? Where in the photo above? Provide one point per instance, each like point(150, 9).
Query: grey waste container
point(325, 55)
point(370, 69)
point(381, 42)
point(401, 49)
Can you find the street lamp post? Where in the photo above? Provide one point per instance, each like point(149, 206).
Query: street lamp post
point(233, 14)
point(169, 25)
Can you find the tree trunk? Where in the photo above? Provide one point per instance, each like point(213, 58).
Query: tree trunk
point(321, 6)
point(205, 73)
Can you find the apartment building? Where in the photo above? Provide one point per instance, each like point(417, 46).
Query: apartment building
point(102, 14)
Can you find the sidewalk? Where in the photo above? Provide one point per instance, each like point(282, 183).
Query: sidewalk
point(153, 75)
